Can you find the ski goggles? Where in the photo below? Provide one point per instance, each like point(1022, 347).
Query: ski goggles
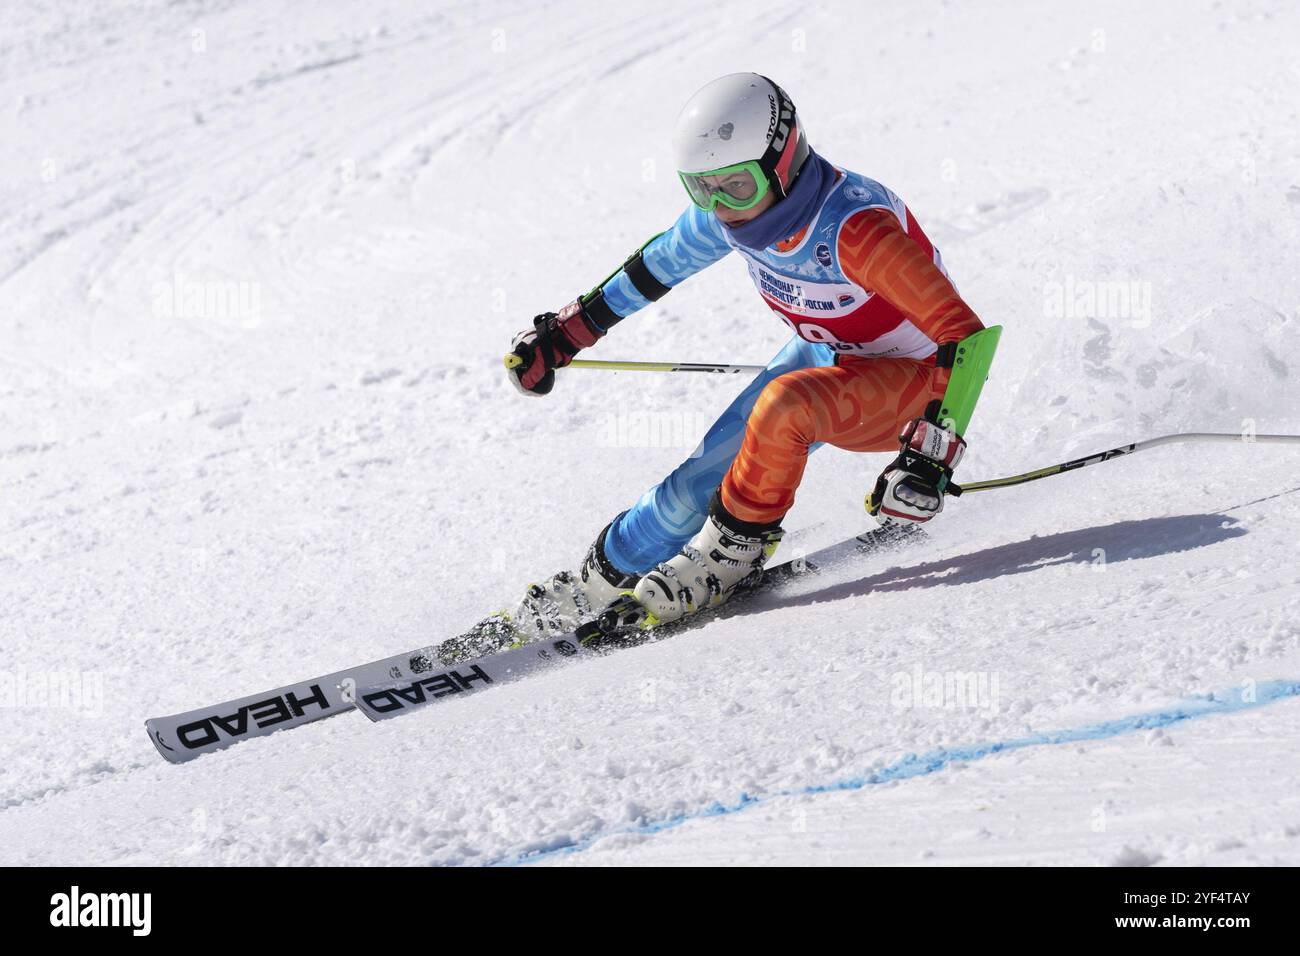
point(741, 186)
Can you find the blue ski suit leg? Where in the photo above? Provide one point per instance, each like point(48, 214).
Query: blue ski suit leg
point(669, 514)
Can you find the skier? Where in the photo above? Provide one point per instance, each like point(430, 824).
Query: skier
point(874, 360)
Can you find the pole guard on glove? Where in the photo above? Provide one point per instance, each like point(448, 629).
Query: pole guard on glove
point(911, 489)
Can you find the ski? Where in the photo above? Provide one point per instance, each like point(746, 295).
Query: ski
point(394, 697)
point(485, 654)
point(184, 736)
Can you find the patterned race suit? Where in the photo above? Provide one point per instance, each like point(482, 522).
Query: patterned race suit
point(869, 301)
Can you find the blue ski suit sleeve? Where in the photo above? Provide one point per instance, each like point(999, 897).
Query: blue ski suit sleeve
point(694, 242)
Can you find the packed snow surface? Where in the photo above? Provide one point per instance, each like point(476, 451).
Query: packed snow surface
point(258, 266)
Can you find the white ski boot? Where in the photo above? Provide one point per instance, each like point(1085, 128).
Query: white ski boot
point(566, 600)
point(723, 556)
point(550, 609)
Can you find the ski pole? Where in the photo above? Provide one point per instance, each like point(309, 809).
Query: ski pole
point(664, 366)
point(952, 487)
point(512, 360)
point(1116, 453)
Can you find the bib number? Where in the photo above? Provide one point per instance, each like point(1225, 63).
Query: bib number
point(812, 332)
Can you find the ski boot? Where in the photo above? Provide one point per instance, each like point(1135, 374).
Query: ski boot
point(566, 600)
point(726, 555)
point(555, 607)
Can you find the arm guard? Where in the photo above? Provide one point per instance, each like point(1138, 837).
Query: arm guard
point(694, 242)
point(642, 279)
point(969, 360)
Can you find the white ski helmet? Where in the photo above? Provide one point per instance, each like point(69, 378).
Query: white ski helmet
point(740, 118)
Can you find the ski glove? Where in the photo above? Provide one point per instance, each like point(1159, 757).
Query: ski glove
point(552, 343)
point(911, 489)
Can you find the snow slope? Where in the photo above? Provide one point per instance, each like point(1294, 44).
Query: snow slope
point(289, 473)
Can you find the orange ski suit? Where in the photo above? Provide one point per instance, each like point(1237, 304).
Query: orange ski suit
point(858, 404)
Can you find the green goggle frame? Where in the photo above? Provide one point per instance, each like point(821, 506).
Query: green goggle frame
point(707, 196)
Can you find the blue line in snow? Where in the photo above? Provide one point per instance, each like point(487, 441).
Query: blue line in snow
point(919, 765)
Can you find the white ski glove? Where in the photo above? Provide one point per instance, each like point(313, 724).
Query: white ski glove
point(911, 489)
